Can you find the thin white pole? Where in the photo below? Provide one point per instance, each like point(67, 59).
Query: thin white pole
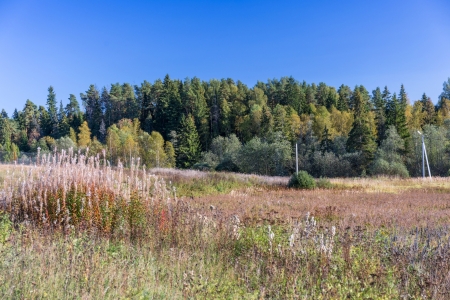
point(296, 157)
point(426, 156)
point(423, 158)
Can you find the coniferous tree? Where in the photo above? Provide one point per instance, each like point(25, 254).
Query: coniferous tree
point(445, 90)
point(429, 109)
point(93, 107)
point(44, 121)
point(361, 138)
point(168, 107)
point(399, 119)
point(131, 106)
point(3, 114)
point(345, 94)
point(52, 127)
point(145, 106)
point(295, 96)
point(195, 104)
point(391, 109)
point(73, 112)
point(64, 126)
point(189, 143)
point(380, 114)
point(326, 144)
point(107, 106)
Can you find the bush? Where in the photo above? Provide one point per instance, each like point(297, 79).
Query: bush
point(302, 180)
point(382, 167)
point(324, 183)
point(202, 166)
point(227, 165)
point(399, 169)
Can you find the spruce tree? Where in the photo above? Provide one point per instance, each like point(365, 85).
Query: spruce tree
point(53, 123)
point(145, 106)
point(361, 138)
point(189, 143)
point(380, 114)
point(326, 144)
point(93, 107)
point(429, 109)
point(345, 94)
point(44, 121)
point(63, 121)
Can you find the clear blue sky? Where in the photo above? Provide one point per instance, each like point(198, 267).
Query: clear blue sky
point(72, 44)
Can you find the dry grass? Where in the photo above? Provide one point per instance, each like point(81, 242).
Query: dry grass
point(75, 228)
point(343, 208)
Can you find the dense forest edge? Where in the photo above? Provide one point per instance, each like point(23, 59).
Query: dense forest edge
point(224, 125)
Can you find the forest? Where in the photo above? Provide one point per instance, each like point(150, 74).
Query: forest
point(225, 125)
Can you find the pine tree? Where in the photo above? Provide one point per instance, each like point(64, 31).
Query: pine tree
point(189, 143)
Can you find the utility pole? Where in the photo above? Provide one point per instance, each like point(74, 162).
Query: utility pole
point(424, 157)
point(296, 157)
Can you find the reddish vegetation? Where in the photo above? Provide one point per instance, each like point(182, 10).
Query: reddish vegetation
point(342, 207)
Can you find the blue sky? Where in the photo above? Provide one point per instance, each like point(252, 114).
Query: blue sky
point(72, 44)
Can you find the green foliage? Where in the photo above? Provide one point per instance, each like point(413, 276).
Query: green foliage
point(361, 137)
point(6, 228)
point(388, 159)
point(189, 143)
point(324, 183)
point(382, 167)
point(302, 180)
point(232, 111)
point(265, 157)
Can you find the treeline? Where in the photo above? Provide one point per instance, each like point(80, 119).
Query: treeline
point(225, 125)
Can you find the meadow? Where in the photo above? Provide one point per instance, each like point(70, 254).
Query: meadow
point(74, 228)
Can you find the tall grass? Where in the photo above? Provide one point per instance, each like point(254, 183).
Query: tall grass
point(73, 227)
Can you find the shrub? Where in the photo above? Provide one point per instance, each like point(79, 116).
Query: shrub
point(324, 183)
point(302, 180)
point(382, 167)
point(228, 166)
point(399, 169)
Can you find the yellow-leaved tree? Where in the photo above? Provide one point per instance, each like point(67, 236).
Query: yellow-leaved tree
point(84, 135)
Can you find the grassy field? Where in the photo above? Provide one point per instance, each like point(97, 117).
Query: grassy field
point(79, 230)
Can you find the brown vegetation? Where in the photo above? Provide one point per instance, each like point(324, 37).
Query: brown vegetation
point(217, 235)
